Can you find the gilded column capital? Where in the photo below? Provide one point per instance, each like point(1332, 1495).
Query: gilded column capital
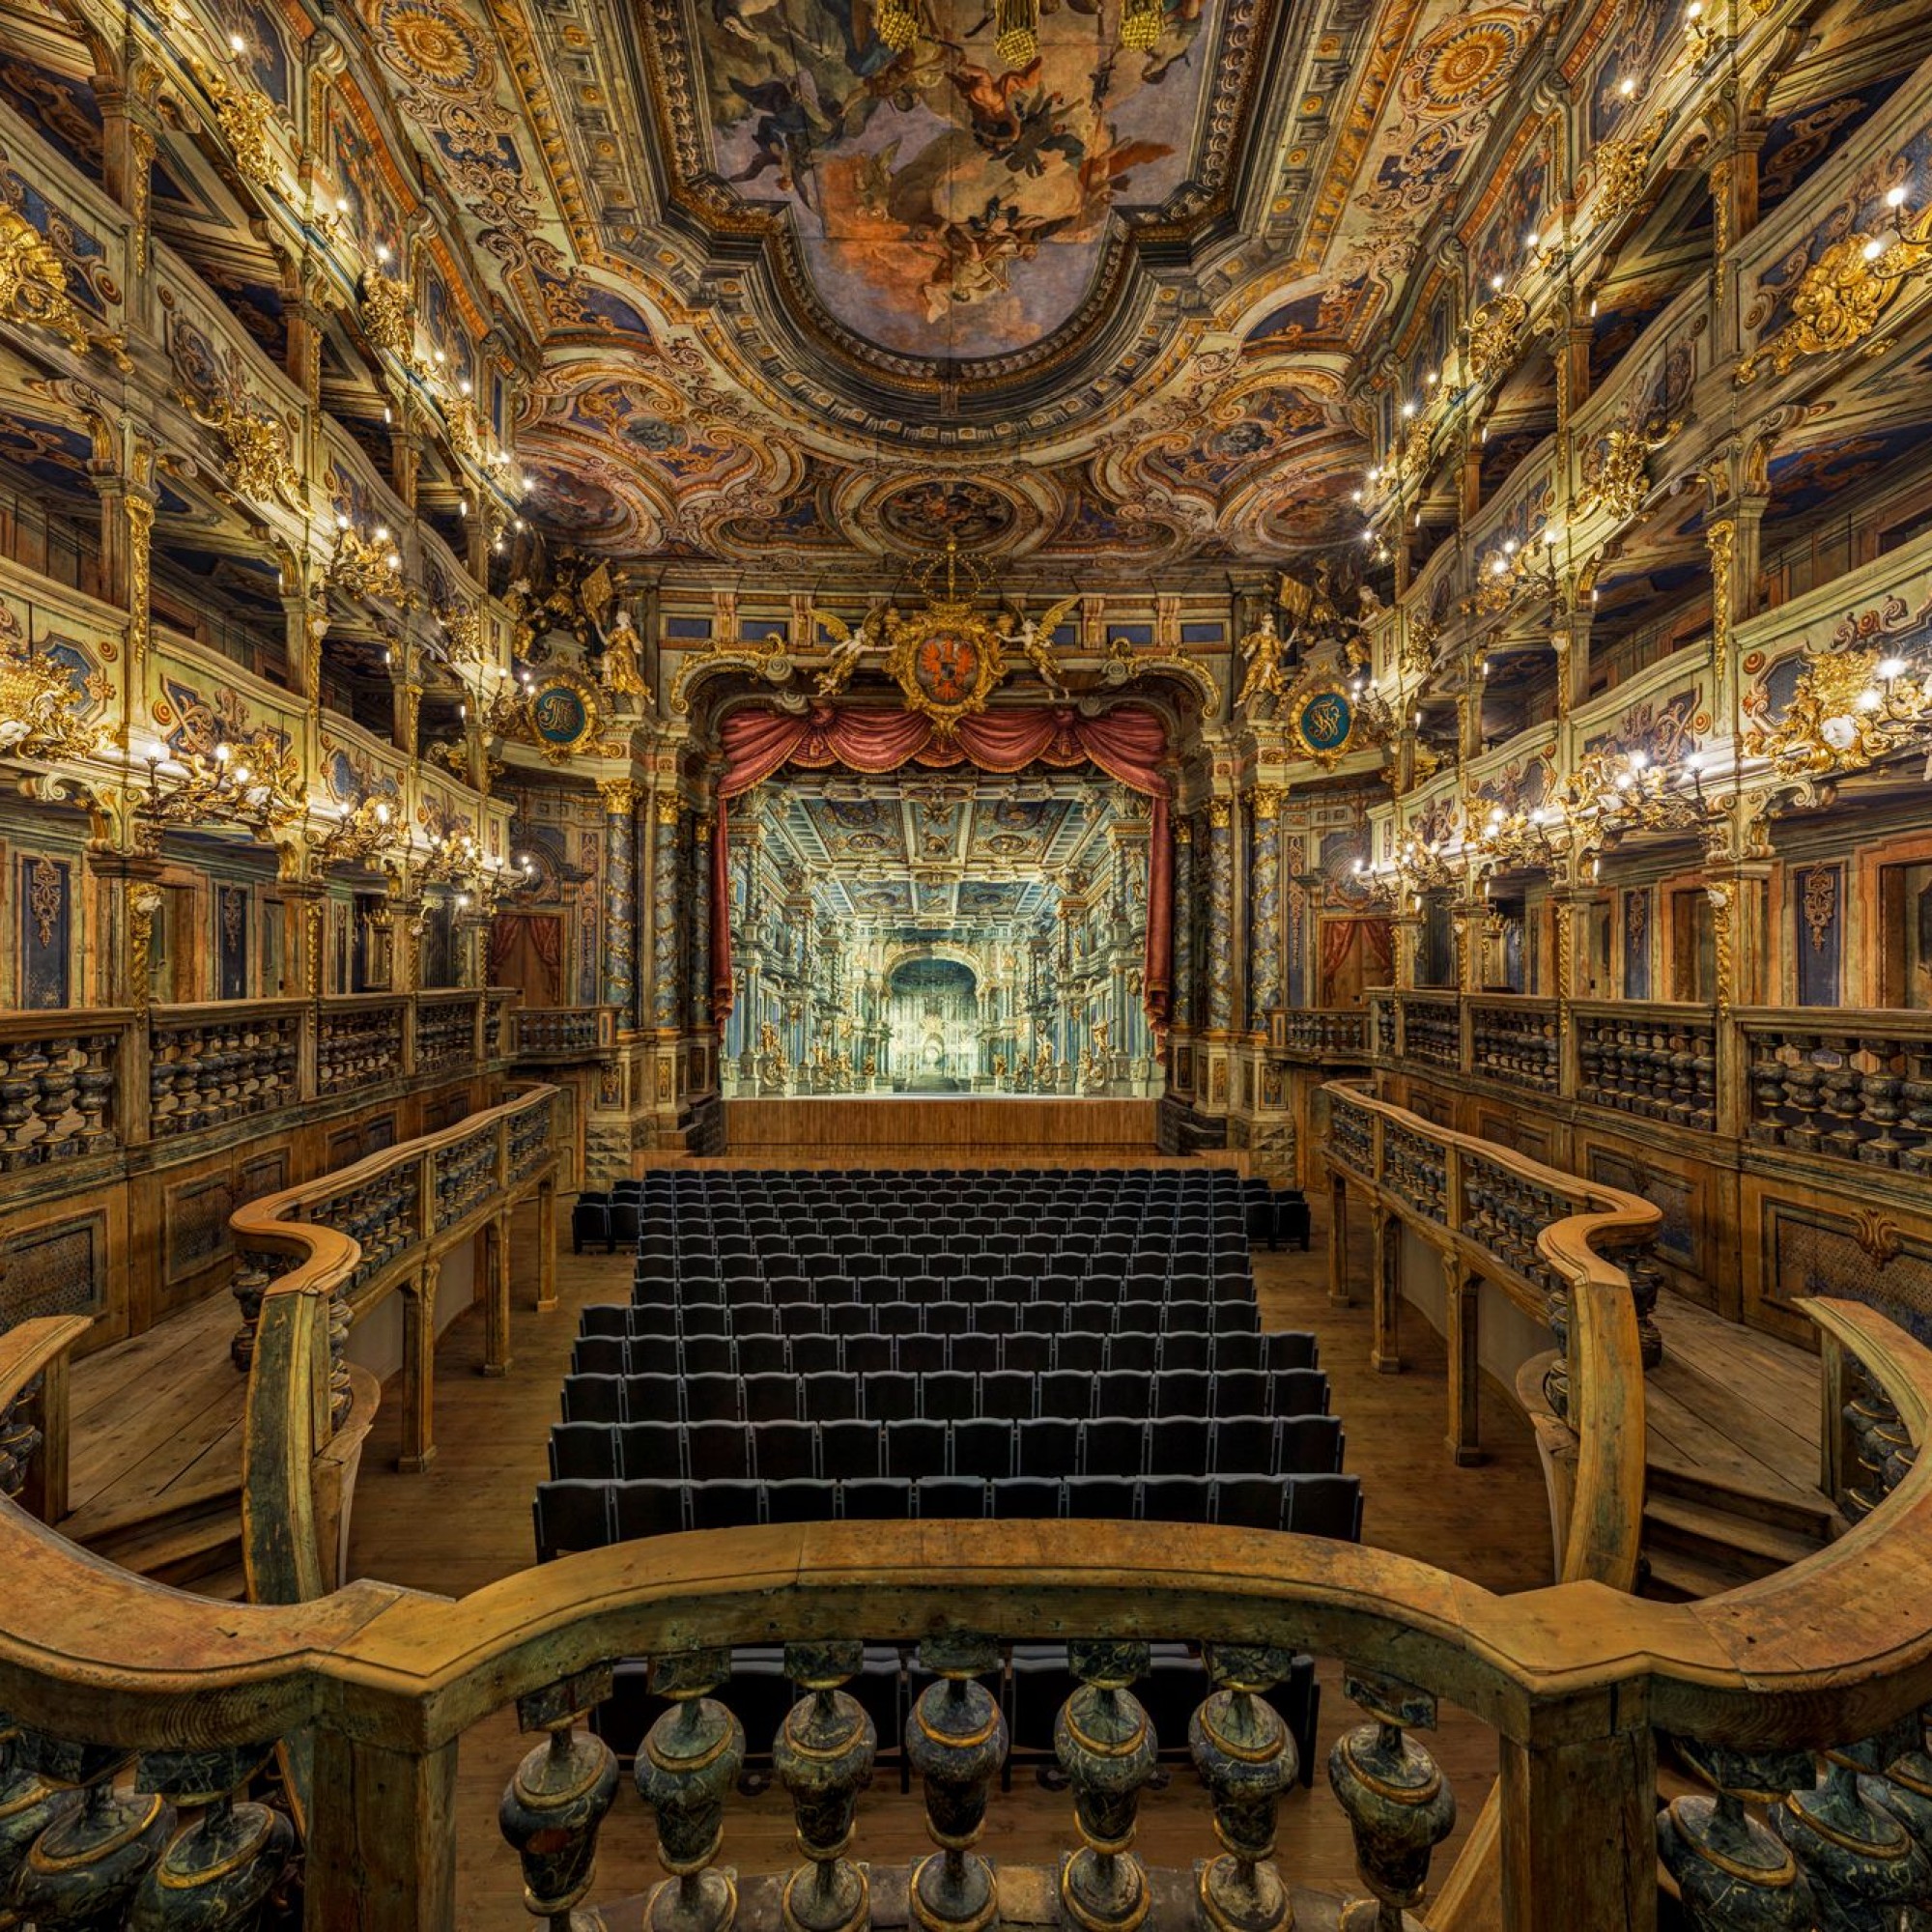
point(668, 806)
point(1220, 813)
point(619, 796)
point(1266, 801)
point(1184, 831)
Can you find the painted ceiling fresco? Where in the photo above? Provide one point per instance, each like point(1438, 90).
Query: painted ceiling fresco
point(940, 850)
point(949, 205)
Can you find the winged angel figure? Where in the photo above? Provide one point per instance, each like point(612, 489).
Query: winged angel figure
point(848, 646)
point(1034, 641)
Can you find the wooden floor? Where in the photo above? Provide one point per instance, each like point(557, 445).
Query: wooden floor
point(179, 1446)
point(468, 1522)
point(1729, 1403)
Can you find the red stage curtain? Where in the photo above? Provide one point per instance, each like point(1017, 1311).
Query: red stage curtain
point(1127, 742)
point(526, 952)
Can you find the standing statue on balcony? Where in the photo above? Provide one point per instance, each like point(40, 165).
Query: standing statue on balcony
point(1262, 653)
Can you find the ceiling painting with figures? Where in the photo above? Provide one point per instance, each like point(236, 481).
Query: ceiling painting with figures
point(949, 205)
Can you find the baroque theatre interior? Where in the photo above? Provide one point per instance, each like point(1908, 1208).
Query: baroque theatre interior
point(965, 962)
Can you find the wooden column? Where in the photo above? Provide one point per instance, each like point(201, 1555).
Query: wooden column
point(1579, 1829)
point(1339, 1290)
point(1386, 1293)
point(495, 1243)
point(382, 1849)
point(546, 1246)
point(1459, 1328)
point(419, 1371)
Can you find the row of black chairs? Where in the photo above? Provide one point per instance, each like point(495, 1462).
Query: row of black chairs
point(1092, 1317)
point(863, 1183)
point(986, 1447)
point(1060, 1251)
point(579, 1516)
point(1275, 1214)
point(946, 1395)
point(1031, 1684)
point(1179, 1282)
point(615, 1340)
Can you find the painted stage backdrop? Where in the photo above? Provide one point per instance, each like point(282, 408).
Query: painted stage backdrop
point(947, 205)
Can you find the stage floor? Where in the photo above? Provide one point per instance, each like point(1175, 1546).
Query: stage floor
point(931, 1125)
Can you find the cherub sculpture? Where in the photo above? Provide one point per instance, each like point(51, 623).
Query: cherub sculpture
point(848, 646)
point(1034, 641)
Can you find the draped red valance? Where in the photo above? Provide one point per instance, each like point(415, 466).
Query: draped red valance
point(1127, 742)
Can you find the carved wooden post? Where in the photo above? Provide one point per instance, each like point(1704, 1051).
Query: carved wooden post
point(419, 1370)
point(823, 1755)
point(1246, 1759)
point(1578, 1834)
point(220, 1871)
point(1461, 1305)
point(1397, 1803)
point(546, 1246)
point(690, 1760)
point(1339, 1290)
point(957, 1742)
point(1105, 1744)
point(1730, 1870)
point(1386, 1292)
point(496, 1233)
point(557, 1801)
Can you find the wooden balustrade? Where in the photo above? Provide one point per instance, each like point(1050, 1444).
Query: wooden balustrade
point(103, 1672)
point(565, 1033)
point(1843, 1085)
point(209, 1064)
point(59, 1080)
point(1328, 1034)
point(317, 1257)
point(1571, 1254)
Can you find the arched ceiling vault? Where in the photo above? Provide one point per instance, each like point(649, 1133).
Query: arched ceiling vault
point(819, 281)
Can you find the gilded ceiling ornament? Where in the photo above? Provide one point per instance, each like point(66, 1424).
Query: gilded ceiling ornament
point(389, 314)
point(244, 120)
point(33, 282)
point(1621, 481)
point(1495, 336)
point(1840, 300)
point(1623, 168)
point(257, 443)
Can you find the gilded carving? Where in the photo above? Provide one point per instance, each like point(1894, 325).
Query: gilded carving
point(1877, 1235)
point(244, 120)
point(33, 282)
point(1821, 905)
point(1721, 538)
point(143, 903)
point(43, 899)
point(1495, 336)
point(1840, 300)
point(1623, 169)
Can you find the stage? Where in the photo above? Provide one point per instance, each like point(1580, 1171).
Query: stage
point(935, 1128)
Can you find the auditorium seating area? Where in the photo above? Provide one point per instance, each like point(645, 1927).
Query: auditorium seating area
point(805, 1346)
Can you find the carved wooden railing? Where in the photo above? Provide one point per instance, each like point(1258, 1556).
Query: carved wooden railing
point(368, 1691)
point(1655, 1061)
point(565, 1033)
point(81, 1082)
point(1323, 1033)
point(1571, 1254)
point(315, 1258)
point(60, 1096)
point(1844, 1085)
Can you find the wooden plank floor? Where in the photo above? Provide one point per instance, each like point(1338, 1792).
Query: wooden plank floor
point(1734, 1404)
point(468, 1522)
point(155, 1422)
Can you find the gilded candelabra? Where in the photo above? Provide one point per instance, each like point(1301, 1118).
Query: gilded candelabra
point(254, 783)
point(1850, 710)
